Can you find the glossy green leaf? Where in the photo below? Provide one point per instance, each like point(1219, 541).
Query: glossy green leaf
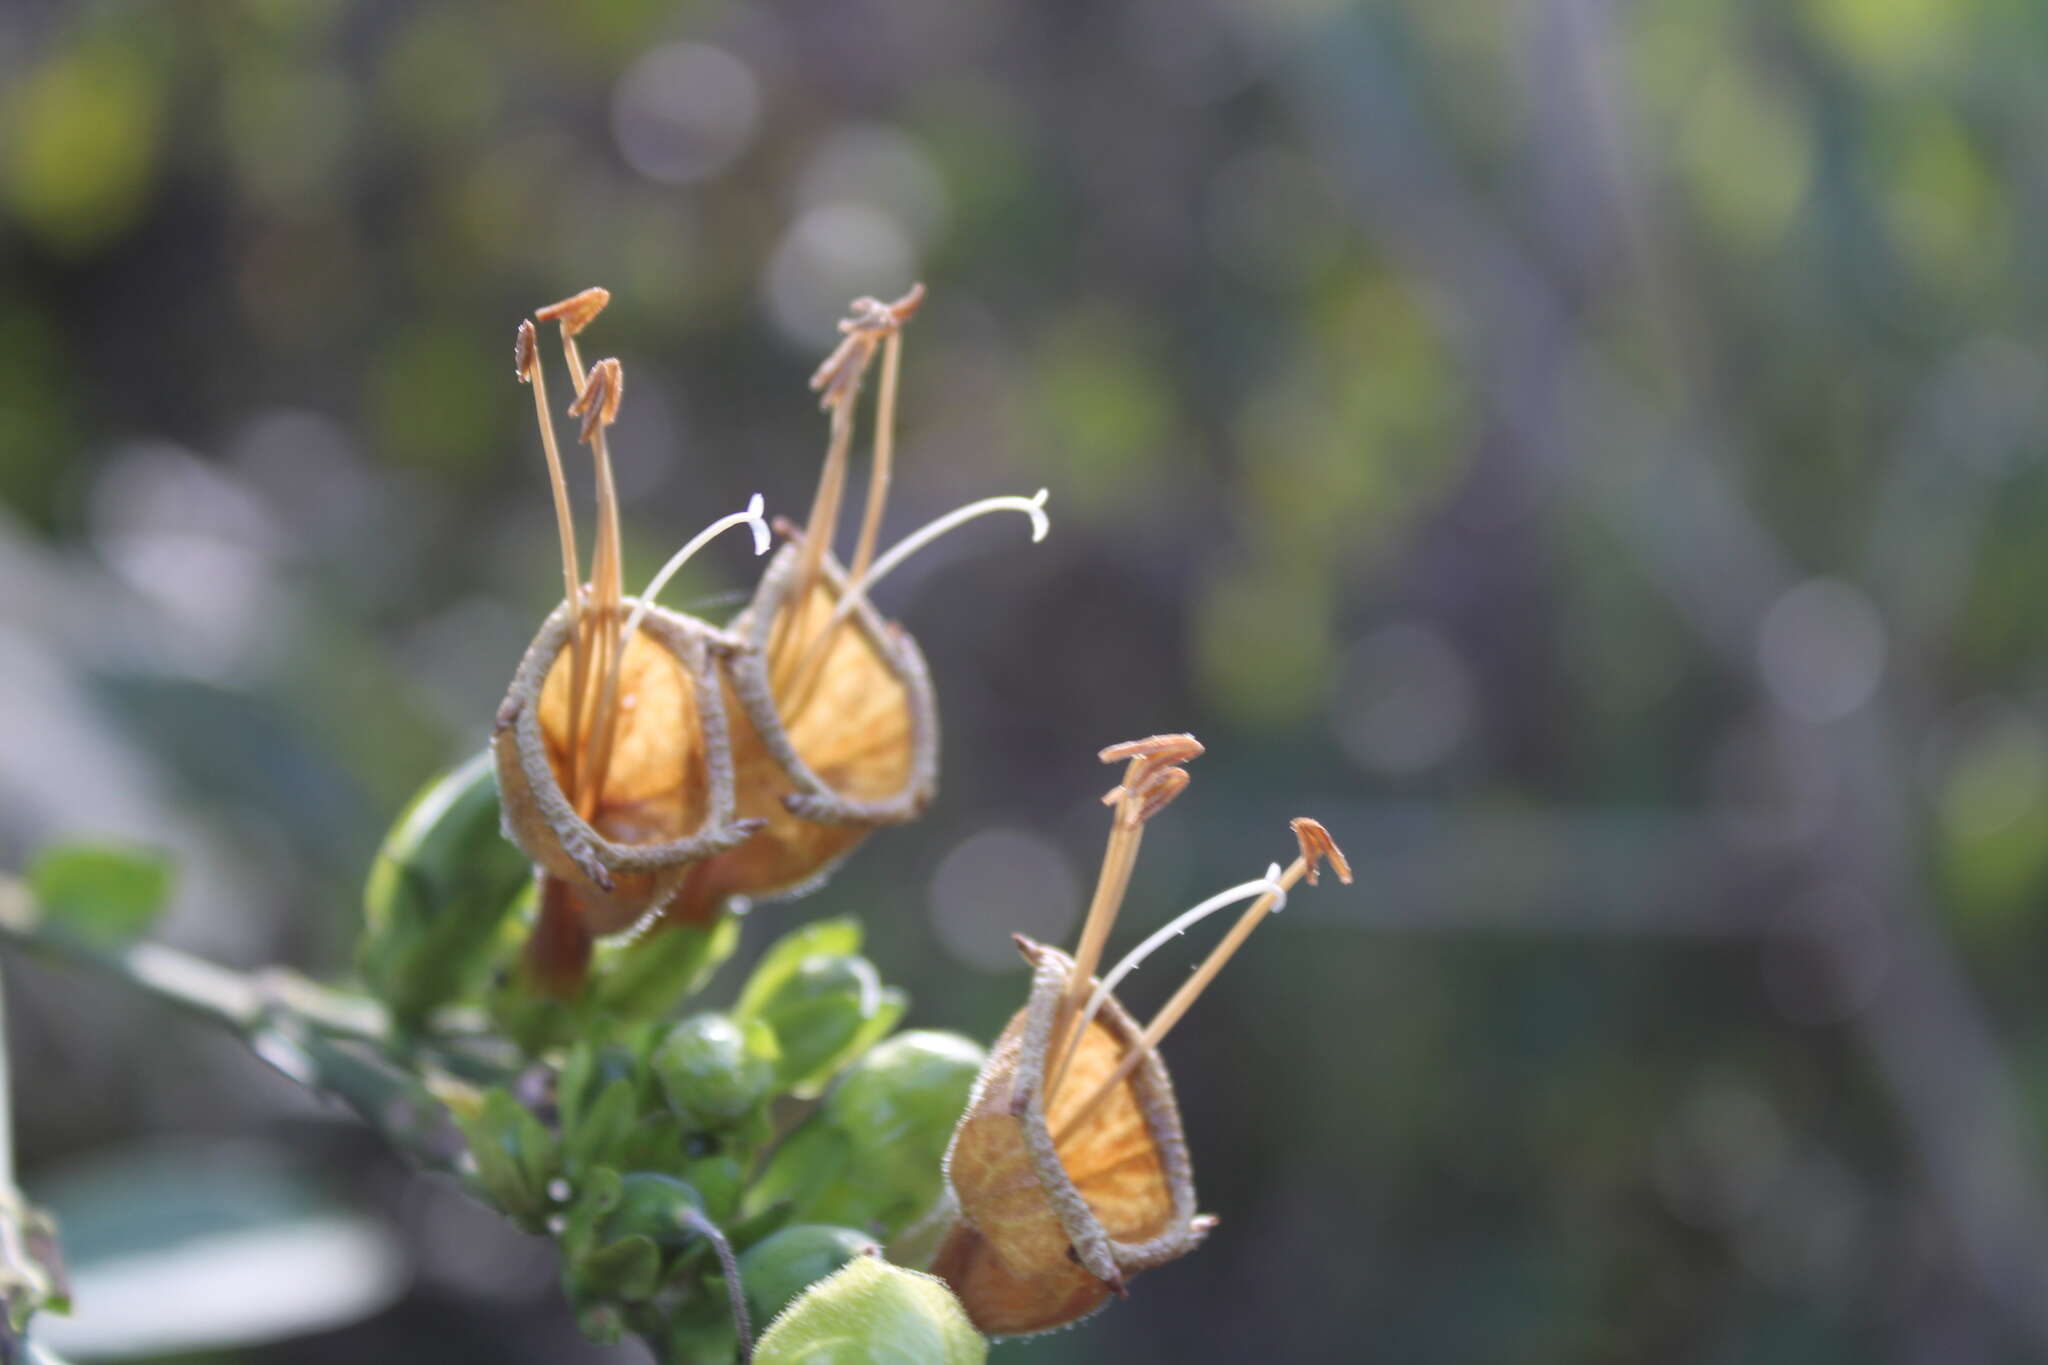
point(839, 937)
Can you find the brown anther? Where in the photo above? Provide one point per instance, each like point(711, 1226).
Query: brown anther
point(1149, 757)
point(577, 312)
point(1158, 793)
point(1316, 844)
point(1173, 748)
point(869, 314)
point(598, 404)
point(525, 354)
point(837, 378)
point(868, 323)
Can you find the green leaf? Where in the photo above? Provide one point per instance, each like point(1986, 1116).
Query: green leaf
point(106, 895)
point(514, 1154)
point(840, 937)
point(440, 892)
point(791, 1261)
point(803, 1170)
point(627, 1270)
point(598, 1133)
point(657, 971)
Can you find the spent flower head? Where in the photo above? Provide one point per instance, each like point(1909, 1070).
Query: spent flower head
point(835, 726)
point(613, 752)
point(1070, 1169)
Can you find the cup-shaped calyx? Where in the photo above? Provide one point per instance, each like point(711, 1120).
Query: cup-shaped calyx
point(666, 802)
point(818, 770)
point(1069, 1171)
point(835, 729)
point(613, 753)
point(1052, 1220)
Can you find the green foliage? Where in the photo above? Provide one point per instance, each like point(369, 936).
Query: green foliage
point(871, 1155)
point(515, 1158)
point(782, 1266)
point(101, 894)
point(825, 1003)
point(640, 1140)
point(715, 1070)
point(439, 893)
point(873, 1313)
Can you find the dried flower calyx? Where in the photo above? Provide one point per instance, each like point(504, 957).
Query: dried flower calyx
point(1070, 1170)
point(835, 728)
point(612, 746)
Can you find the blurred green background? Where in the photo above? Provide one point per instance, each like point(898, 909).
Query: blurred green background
point(1587, 453)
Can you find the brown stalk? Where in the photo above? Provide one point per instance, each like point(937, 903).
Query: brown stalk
point(1316, 845)
point(1152, 779)
point(526, 362)
point(598, 406)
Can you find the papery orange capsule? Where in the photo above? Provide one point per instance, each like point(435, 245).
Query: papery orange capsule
point(862, 750)
point(612, 746)
point(1052, 1226)
point(835, 728)
point(667, 798)
point(1069, 1171)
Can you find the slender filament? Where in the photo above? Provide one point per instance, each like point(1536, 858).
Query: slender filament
point(1175, 927)
point(857, 587)
point(1170, 1013)
point(751, 517)
point(565, 526)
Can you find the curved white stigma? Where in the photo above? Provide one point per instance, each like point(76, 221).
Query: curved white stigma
point(751, 517)
point(1032, 507)
point(1268, 885)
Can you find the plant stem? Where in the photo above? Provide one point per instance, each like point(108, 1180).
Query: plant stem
point(326, 1039)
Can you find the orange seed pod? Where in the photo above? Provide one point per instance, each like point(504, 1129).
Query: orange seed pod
point(1049, 1227)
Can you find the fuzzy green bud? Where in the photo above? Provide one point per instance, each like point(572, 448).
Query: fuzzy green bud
point(872, 1313)
point(715, 1070)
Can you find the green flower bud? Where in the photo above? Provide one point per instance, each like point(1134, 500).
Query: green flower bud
point(438, 895)
point(873, 1313)
point(716, 1070)
point(783, 1266)
point(659, 1208)
point(899, 1105)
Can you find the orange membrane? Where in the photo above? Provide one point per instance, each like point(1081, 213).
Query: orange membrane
point(655, 787)
point(859, 739)
point(1051, 1228)
point(613, 753)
